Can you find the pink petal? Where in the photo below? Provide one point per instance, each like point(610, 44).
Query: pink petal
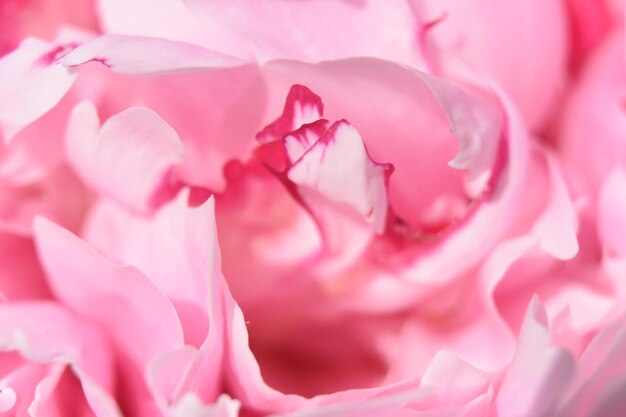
point(598, 385)
point(590, 20)
point(557, 225)
point(7, 399)
point(142, 55)
point(612, 402)
point(191, 406)
point(530, 66)
point(384, 100)
point(24, 380)
point(31, 84)
point(168, 19)
point(461, 243)
point(129, 158)
point(457, 382)
point(45, 332)
point(338, 168)
point(166, 374)
point(611, 213)
point(215, 113)
point(539, 372)
point(302, 106)
point(595, 104)
point(21, 276)
point(243, 376)
point(476, 124)
point(43, 19)
point(299, 141)
point(139, 317)
point(318, 30)
point(99, 400)
point(181, 237)
point(58, 195)
point(243, 371)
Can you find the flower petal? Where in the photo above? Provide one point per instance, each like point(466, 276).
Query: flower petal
point(302, 106)
point(45, 332)
point(317, 30)
point(191, 406)
point(338, 168)
point(181, 237)
point(611, 209)
point(183, 240)
point(599, 383)
point(168, 19)
point(530, 66)
point(142, 55)
point(137, 315)
point(476, 124)
point(129, 158)
point(557, 225)
point(539, 374)
point(31, 84)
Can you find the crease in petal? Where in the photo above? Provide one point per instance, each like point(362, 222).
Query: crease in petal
point(138, 316)
point(166, 374)
point(181, 237)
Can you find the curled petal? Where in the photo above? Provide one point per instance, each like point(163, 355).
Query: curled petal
point(129, 158)
point(476, 124)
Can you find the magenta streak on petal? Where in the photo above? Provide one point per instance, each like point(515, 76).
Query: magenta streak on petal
point(320, 179)
point(55, 54)
point(330, 136)
point(299, 97)
point(101, 60)
point(306, 136)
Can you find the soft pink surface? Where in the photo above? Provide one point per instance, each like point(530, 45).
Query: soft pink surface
point(307, 208)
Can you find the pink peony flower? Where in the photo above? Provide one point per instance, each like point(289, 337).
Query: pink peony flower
point(346, 208)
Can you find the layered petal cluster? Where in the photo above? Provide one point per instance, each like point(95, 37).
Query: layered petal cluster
point(330, 208)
